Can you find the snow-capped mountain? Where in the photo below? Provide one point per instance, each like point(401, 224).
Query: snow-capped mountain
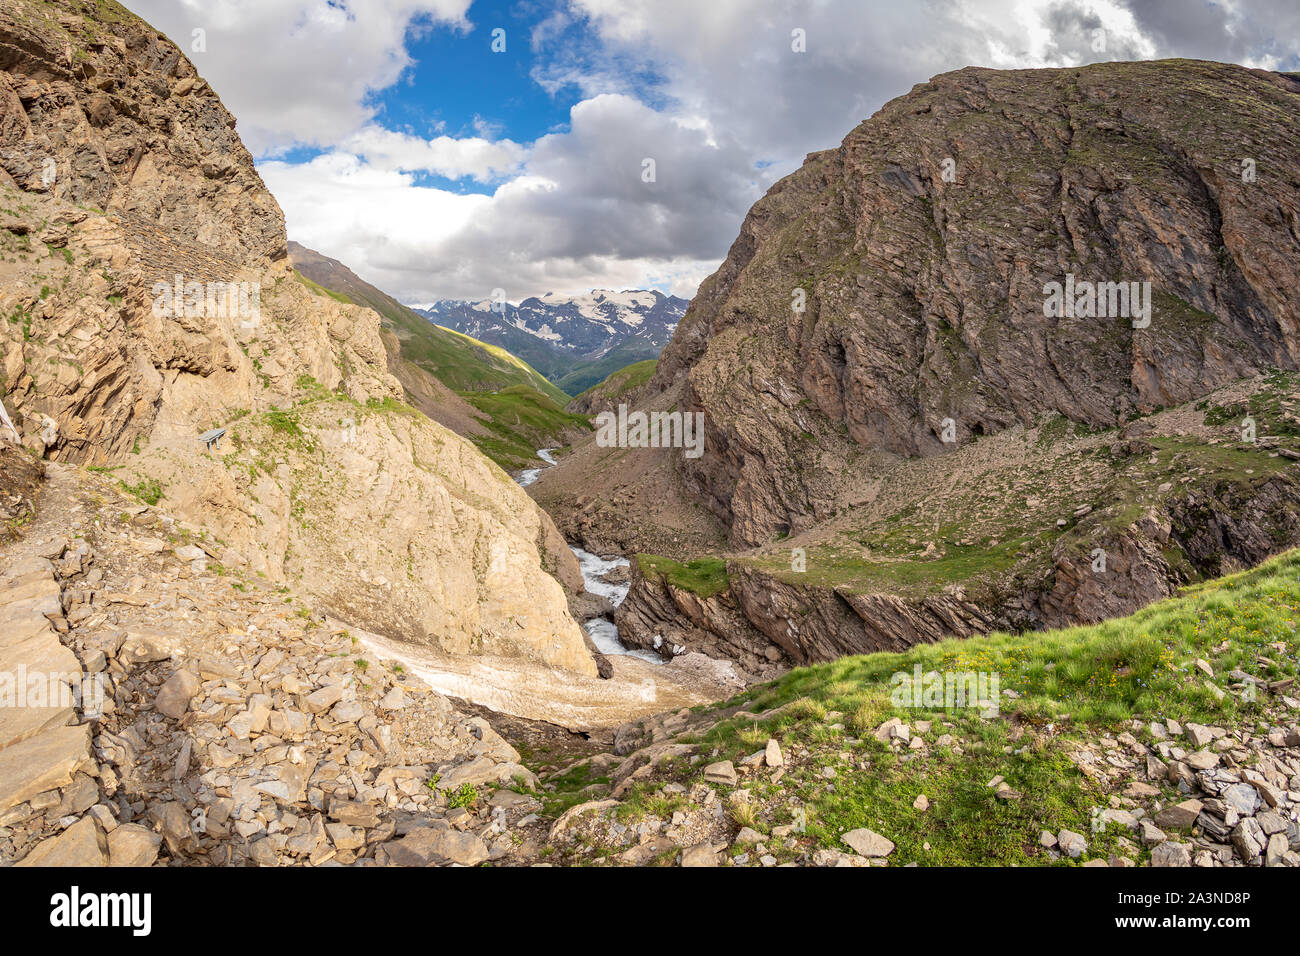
point(569, 339)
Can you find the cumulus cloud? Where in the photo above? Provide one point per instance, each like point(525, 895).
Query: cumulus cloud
point(299, 71)
point(580, 215)
point(715, 93)
point(733, 65)
point(474, 157)
point(1259, 33)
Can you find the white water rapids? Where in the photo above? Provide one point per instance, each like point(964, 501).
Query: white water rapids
point(603, 633)
point(529, 475)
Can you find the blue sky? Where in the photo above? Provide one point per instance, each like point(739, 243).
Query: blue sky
point(459, 87)
point(396, 141)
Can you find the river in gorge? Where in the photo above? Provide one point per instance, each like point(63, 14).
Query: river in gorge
point(529, 475)
point(594, 571)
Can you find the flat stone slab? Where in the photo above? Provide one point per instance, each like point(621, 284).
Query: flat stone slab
point(38, 678)
point(78, 845)
point(478, 771)
point(25, 567)
point(22, 723)
point(42, 653)
point(38, 585)
point(44, 762)
point(428, 846)
point(21, 622)
point(868, 843)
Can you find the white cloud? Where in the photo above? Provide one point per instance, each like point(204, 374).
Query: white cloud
point(571, 211)
point(475, 157)
point(579, 216)
point(299, 71)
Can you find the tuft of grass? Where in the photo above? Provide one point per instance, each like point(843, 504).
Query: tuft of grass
point(148, 490)
point(463, 796)
point(705, 576)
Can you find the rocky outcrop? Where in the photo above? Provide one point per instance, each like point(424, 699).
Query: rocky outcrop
point(668, 620)
point(215, 721)
point(763, 622)
point(122, 346)
point(1212, 530)
point(819, 624)
point(920, 250)
point(99, 109)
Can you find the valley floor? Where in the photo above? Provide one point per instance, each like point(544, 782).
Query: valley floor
point(241, 726)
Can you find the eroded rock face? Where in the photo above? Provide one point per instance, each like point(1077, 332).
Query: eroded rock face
point(1210, 531)
point(130, 128)
point(660, 617)
point(393, 522)
point(112, 359)
point(925, 298)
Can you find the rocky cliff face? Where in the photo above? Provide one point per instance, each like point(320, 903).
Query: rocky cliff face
point(924, 298)
point(1023, 530)
point(907, 438)
point(99, 109)
point(121, 346)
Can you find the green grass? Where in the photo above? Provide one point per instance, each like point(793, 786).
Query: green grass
point(463, 363)
point(318, 289)
point(1136, 666)
point(1074, 684)
point(834, 567)
point(569, 789)
point(463, 796)
point(703, 576)
point(283, 422)
point(521, 420)
point(589, 374)
point(148, 490)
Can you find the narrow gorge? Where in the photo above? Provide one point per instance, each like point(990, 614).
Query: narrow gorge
point(962, 571)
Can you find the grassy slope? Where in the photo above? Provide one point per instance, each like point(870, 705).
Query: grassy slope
point(521, 420)
point(570, 374)
point(1078, 684)
point(620, 382)
point(703, 576)
point(460, 362)
point(523, 410)
point(585, 375)
point(457, 359)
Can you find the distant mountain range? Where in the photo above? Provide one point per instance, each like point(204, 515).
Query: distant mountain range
point(575, 341)
point(477, 389)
